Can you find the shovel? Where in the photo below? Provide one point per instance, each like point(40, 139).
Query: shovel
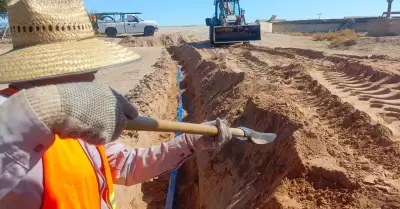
point(242, 133)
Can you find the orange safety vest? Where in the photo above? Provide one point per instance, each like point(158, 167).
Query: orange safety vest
point(70, 180)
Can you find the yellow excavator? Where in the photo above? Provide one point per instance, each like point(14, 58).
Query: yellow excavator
point(229, 24)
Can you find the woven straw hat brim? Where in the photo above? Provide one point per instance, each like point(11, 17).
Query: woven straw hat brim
point(62, 58)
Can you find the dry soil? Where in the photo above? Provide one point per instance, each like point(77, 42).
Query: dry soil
point(336, 113)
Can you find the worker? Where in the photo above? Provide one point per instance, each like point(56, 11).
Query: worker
point(58, 129)
point(94, 18)
point(94, 22)
point(228, 8)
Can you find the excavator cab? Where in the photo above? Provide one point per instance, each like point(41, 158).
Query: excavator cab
point(229, 24)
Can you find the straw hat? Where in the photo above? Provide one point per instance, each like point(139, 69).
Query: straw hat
point(53, 38)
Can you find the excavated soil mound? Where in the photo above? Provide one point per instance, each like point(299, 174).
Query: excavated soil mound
point(329, 153)
point(162, 40)
point(154, 97)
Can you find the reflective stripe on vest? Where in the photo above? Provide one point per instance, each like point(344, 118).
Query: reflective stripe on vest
point(110, 178)
point(69, 177)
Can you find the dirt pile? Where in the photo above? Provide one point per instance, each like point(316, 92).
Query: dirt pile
point(155, 97)
point(173, 39)
point(329, 152)
point(156, 94)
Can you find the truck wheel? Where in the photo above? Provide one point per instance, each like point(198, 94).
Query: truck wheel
point(111, 32)
point(149, 31)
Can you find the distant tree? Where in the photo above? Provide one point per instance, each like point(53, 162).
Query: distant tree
point(3, 9)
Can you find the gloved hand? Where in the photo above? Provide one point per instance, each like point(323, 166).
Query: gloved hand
point(90, 111)
point(198, 142)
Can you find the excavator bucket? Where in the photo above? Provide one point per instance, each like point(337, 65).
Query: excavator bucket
point(236, 33)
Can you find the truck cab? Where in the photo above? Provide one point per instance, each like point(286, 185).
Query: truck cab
point(123, 23)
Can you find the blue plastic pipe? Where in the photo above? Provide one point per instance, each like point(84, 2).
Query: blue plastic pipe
point(172, 179)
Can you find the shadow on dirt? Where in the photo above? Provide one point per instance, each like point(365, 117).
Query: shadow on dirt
point(155, 192)
point(207, 45)
point(201, 44)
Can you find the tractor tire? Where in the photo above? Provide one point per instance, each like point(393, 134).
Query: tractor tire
point(149, 31)
point(211, 36)
point(111, 32)
point(217, 45)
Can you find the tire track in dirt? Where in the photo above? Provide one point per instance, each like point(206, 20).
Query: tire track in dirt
point(379, 92)
point(318, 102)
point(369, 83)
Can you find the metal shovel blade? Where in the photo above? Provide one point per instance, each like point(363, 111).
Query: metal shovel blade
point(257, 137)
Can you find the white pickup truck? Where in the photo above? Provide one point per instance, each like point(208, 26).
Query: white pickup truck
point(123, 23)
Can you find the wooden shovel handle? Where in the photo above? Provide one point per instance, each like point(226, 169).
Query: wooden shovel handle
point(149, 124)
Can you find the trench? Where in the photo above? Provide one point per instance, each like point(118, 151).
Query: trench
point(236, 173)
point(172, 179)
point(317, 161)
point(237, 169)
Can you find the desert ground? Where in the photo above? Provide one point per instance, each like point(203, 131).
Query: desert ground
point(336, 112)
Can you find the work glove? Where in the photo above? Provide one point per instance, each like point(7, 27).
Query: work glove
point(198, 142)
point(89, 111)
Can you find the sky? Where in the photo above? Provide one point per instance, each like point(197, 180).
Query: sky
point(194, 12)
